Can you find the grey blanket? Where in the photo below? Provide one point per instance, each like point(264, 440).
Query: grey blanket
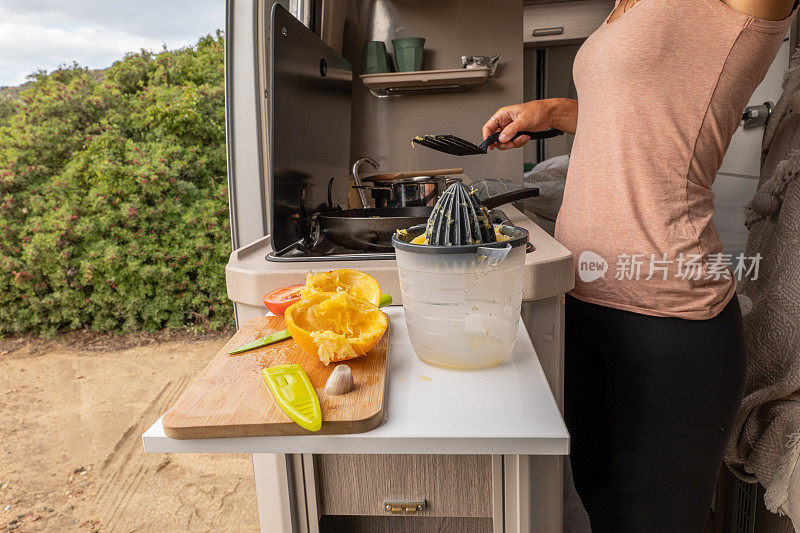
point(766, 442)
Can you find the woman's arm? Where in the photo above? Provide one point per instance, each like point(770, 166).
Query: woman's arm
point(763, 9)
point(536, 115)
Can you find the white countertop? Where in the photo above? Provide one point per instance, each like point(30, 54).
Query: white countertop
point(548, 269)
point(508, 409)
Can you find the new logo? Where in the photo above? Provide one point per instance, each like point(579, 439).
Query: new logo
point(591, 266)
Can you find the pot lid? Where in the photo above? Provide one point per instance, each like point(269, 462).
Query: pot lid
point(397, 176)
point(418, 180)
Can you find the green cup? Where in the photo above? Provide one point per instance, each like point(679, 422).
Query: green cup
point(408, 53)
point(375, 59)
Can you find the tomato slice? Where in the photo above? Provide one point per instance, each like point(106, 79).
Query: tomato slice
point(278, 300)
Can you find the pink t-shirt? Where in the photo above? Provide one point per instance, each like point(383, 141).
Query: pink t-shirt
point(661, 91)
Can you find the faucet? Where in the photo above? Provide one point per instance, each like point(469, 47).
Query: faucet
point(361, 193)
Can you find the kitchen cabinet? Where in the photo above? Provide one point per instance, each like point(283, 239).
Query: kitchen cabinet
point(464, 444)
point(553, 23)
point(396, 524)
point(358, 485)
point(482, 450)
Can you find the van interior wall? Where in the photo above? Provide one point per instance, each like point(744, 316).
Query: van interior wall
point(382, 128)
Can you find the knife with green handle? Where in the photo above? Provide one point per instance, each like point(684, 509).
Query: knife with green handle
point(284, 334)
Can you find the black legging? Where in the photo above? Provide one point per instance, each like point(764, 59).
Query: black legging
point(649, 404)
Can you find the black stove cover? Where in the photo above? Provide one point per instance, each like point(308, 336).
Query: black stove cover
point(309, 98)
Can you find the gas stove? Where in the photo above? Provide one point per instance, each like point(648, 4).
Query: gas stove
point(322, 249)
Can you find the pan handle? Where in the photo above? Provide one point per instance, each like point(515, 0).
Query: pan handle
point(507, 198)
point(544, 134)
point(534, 135)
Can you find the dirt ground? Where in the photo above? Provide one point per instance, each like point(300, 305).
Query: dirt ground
point(72, 412)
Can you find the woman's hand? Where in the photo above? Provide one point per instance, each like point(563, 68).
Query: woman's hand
point(536, 115)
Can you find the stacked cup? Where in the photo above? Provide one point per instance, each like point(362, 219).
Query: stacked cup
point(407, 56)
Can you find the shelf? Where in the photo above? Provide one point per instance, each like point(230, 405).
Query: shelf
point(516, 414)
point(425, 81)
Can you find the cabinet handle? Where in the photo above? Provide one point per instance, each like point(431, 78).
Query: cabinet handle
point(404, 506)
point(541, 32)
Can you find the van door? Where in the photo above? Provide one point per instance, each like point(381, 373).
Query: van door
point(737, 178)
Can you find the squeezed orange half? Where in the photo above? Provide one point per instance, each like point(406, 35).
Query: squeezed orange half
point(335, 326)
point(353, 282)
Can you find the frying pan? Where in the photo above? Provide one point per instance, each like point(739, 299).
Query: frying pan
point(372, 229)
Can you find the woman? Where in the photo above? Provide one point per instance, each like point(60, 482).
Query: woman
point(655, 355)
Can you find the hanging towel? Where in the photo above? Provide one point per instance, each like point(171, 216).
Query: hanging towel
point(765, 446)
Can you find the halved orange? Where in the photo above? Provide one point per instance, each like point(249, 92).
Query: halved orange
point(353, 282)
point(335, 326)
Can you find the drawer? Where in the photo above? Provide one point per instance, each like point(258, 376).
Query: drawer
point(563, 22)
point(403, 524)
point(451, 485)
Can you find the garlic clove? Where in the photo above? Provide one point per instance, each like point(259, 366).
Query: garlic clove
point(340, 381)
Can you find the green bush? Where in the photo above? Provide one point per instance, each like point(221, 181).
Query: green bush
point(113, 197)
point(7, 109)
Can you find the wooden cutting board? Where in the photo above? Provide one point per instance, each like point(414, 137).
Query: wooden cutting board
point(229, 398)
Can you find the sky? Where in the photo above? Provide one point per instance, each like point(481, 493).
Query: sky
point(43, 34)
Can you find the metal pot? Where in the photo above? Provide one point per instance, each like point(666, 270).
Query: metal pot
point(372, 229)
point(408, 192)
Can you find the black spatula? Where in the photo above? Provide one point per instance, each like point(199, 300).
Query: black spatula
point(450, 144)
